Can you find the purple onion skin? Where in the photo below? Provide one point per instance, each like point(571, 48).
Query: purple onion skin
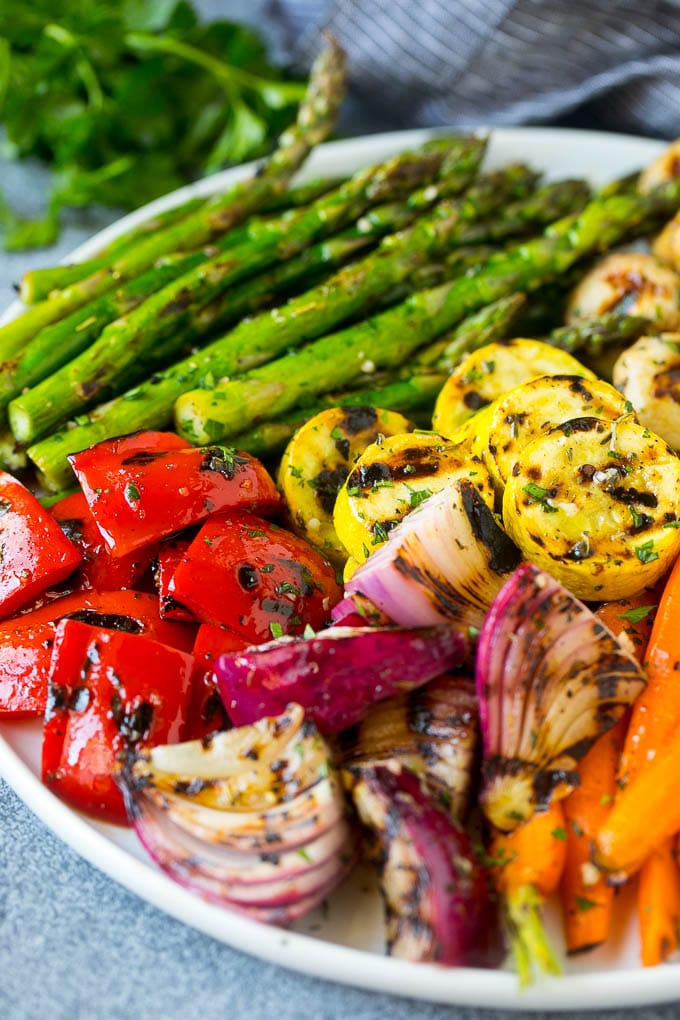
point(280, 899)
point(335, 677)
point(452, 895)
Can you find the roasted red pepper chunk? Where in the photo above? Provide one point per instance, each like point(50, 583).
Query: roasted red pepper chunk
point(109, 693)
point(99, 570)
point(168, 558)
point(256, 578)
point(143, 495)
point(26, 641)
point(206, 708)
point(34, 552)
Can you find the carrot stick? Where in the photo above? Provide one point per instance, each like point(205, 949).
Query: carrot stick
point(659, 905)
point(530, 860)
point(655, 717)
point(658, 892)
point(586, 896)
point(656, 712)
point(645, 814)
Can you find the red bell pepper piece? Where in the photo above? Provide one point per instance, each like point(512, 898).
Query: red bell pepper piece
point(99, 570)
point(34, 552)
point(256, 578)
point(109, 693)
point(168, 558)
point(141, 496)
point(206, 708)
point(26, 641)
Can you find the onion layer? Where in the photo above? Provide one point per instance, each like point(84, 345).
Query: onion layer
point(438, 901)
point(337, 674)
point(252, 818)
point(433, 731)
point(550, 679)
point(444, 561)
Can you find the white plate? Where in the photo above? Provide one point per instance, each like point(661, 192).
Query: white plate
point(345, 943)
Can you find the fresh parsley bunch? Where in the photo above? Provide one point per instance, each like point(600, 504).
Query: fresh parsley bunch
point(128, 99)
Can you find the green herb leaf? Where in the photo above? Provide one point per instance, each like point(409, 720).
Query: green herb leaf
point(536, 492)
point(127, 100)
point(645, 552)
point(636, 615)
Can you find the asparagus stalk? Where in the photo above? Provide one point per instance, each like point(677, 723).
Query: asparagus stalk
point(485, 326)
point(13, 457)
point(38, 284)
point(390, 337)
point(316, 118)
point(514, 219)
point(591, 336)
point(60, 342)
point(408, 394)
point(114, 358)
point(524, 216)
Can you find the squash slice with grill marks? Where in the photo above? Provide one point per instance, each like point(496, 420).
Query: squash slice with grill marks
point(597, 504)
point(489, 373)
point(648, 374)
point(526, 411)
point(396, 476)
point(317, 461)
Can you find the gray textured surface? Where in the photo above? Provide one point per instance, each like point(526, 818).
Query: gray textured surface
point(76, 946)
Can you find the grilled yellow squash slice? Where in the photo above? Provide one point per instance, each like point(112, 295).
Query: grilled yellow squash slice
point(534, 407)
point(661, 170)
point(633, 283)
point(491, 371)
point(648, 375)
point(666, 246)
point(596, 504)
point(395, 476)
point(316, 463)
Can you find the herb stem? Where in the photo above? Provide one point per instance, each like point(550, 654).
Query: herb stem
point(226, 74)
point(86, 72)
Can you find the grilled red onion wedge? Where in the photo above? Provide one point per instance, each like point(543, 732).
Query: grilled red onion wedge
point(432, 730)
point(252, 818)
point(336, 674)
point(438, 901)
point(444, 561)
point(550, 679)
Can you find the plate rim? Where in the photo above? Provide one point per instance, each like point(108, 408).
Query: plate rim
point(296, 950)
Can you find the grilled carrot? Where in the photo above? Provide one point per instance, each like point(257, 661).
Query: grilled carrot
point(658, 902)
point(645, 814)
point(623, 842)
point(586, 896)
point(656, 713)
point(529, 866)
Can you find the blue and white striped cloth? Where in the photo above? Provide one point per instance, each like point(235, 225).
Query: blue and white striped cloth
point(466, 62)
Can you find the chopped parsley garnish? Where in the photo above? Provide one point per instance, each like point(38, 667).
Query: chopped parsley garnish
point(645, 552)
